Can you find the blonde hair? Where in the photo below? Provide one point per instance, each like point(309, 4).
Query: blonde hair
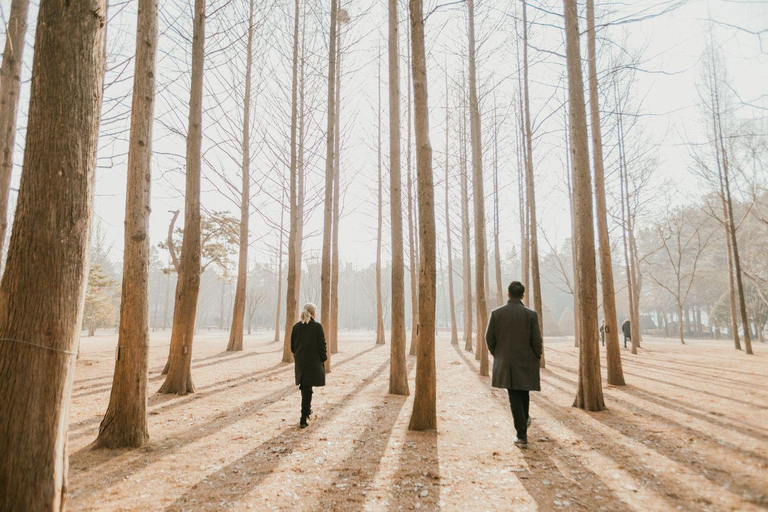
point(308, 312)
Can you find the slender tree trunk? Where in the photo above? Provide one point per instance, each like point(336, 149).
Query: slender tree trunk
point(589, 394)
point(179, 378)
point(612, 349)
point(43, 289)
point(451, 298)
point(729, 257)
point(398, 370)
point(280, 277)
point(412, 251)
point(294, 270)
point(496, 249)
point(325, 270)
point(680, 325)
point(525, 245)
point(465, 235)
point(530, 193)
point(125, 422)
point(735, 247)
point(10, 85)
point(479, 195)
point(238, 311)
point(336, 196)
point(380, 340)
point(424, 415)
point(167, 294)
point(569, 173)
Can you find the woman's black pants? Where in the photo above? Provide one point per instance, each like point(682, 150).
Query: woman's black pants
point(306, 399)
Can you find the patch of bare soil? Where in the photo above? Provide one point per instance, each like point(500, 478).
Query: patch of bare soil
point(689, 432)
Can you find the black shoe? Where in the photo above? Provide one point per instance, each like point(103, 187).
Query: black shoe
point(528, 422)
point(309, 413)
point(303, 422)
point(522, 443)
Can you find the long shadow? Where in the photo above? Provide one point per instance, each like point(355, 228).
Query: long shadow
point(697, 376)
point(166, 403)
point(418, 470)
point(543, 465)
point(253, 467)
point(363, 463)
point(708, 368)
point(709, 469)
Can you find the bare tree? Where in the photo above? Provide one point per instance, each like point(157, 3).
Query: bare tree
point(424, 415)
point(465, 232)
point(589, 394)
point(179, 378)
point(398, 370)
point(43, 287)
point(611, 330)
point(380, 340)
point(451, 299)
point(125, 422)
point(238, 312)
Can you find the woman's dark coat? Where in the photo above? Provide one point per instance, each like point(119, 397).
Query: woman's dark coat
point(309, 351)
point(514, 340)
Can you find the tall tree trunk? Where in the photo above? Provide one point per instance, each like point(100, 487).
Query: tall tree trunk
point(334, 328)
point(735, 247)
point(167, 294)
point(451, 298)
point(398, 370)
point(43, 289)
point(680, 323)
point(479, 195)
point(424, 415)
point(294, 269)
point(380, 340)
point(125, 422)
point(569, 173)
point(530, 190)
point(279, 276)
point(179, 378)
point(729, 257)
point(325, 265)
point(465, 234)
point(412, 251)
point(238, 311)
point(611, 333)
point(10, 84)
point(589, 394)
point(496, 249)
point(525, 224)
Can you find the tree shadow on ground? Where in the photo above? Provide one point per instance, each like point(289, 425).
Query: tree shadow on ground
point(417, 480)
point(247, 472)
point(543, 478)
point(622, 424)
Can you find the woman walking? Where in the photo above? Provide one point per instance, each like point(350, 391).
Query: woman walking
point(309, 351)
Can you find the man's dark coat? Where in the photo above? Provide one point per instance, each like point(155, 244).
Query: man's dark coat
point(514, 340)
point(309, 350)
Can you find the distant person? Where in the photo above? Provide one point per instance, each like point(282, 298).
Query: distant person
point(602, 331)
point(626, 328)
point(514, 340)
point(309, 350)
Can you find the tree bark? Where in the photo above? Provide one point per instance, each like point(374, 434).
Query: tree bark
point(398, 370)
point(424, 415)
point(334, 328)
point(325, 265)
point(412, 252)
point(380, 339)
point(611, 333)
point(496, 249)
point(125, 422)
point(530, 190)
point(589, 394)
point(43, 289)
point(10, 85)
point(238, 311)
point(465, 234)
point(179, 378)
point(478, 194)
point(279, 277)
point(451, 298)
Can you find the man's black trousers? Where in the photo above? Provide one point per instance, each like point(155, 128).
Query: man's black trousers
point(519, 401)
point(306, 399)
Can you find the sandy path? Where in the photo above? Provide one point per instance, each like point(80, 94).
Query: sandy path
point(690, 432)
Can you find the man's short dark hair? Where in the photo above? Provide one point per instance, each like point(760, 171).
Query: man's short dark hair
point(516, 290)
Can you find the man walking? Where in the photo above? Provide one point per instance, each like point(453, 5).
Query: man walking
point(626, 328)
point(514, 340)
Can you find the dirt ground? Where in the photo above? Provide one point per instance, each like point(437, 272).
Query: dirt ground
point(688, 432)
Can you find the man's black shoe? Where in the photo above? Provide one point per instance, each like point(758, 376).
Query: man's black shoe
point(303, 422)
point(522, 443)
point(309, 413)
